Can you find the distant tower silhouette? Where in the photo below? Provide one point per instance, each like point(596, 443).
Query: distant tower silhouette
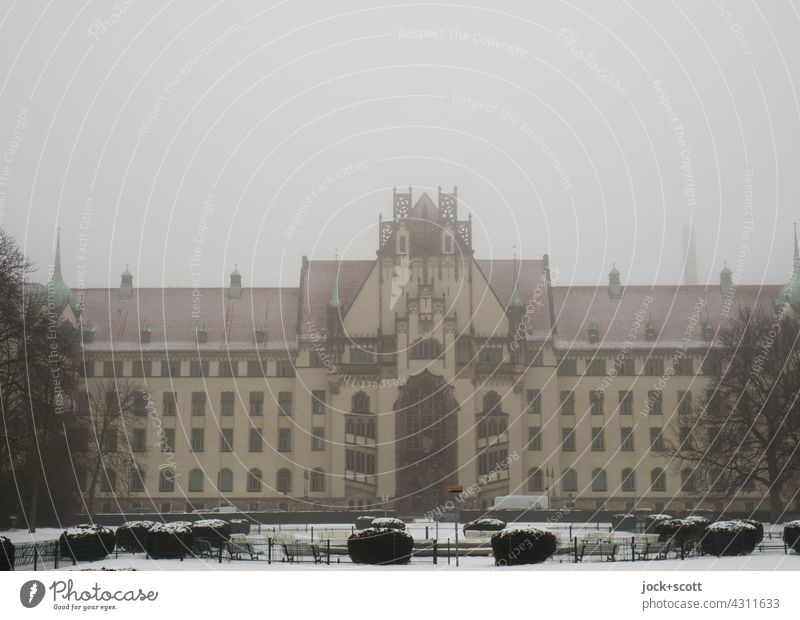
point(689, 256)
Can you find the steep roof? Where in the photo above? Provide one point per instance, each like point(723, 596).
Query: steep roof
point(678, 314)
point(174, 315)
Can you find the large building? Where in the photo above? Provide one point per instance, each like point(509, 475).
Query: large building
point(383, 381)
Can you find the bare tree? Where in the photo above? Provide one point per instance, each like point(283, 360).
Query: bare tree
point(746, 429)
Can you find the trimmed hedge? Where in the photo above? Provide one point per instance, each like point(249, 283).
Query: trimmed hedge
point(131, 535)
point(380, 546)
point(759, 528)
point(215, 531)
point(388, 522)
point(729, 538)
point(485, 525)
point(680, 531)
point(85, 543)
point(169, 540)
point(791, 535)
point(364, 521)
point(652, 520)
point(522, 546)
point(6, 554)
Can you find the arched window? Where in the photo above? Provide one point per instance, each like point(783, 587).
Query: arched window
point(599, 480)
point(196, 481)
point(360, 403)
point(317, 480)
point(166, 480)
point(225, 480)
point(569, 481)
point(628, 479)
point(137, 480)
point(284, 481)
point(349, 426)
point(491, 402)
point(535, 480)
point(254, 480)
point(658, 481)
point(425, 349)
point(108, 480)
point(687, 481)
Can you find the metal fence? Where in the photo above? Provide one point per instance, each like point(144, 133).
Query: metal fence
point(42, 555)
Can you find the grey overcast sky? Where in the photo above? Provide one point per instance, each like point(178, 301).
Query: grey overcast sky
point(253, 133)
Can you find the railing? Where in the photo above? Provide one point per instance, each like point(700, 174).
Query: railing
point(43, 555)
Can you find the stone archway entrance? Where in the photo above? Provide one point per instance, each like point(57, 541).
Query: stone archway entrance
point(426, 452)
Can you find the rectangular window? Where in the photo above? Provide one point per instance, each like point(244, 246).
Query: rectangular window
point(711, 366)
point(568, 367)
point(626, 367)
point(684, 366)
point(168, 440)
point(596, 398)
point(83, 403)
point(656, 439)
point(626, 439)
point(198, 440)
point(170, 403)
point(596, 367)
point(140, 404)
point(315, 358)
point(534, 438)
point(654, 367)
point(228, 368)
point(655, 400)
point(256, 403)
point(226, 440)
point(139, 440)
point(490, 352)
point(284, 368)
point(89, 368)
point(684, 403)
point(198, 403)
point(112, 369)
point(110, 441)
point(534, 401)
point(142, 368)
point(285, 440)
point(285, 403)
point(568, 440)
point(318, 438)
point(567, 402)
point(598, 440)
point(227, 403)
point(171, 368)
point(533, 355)
point(625, 402)
point(198, 368)
point(256, 368)
point(318, 402)
point(255, 443)
point(362, 353)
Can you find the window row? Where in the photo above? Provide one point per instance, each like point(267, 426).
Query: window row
point(626, 366)
point(197, 440)
point(197, 480)
point(174, 369)
point(653, 403)
point(598, 482)
point(597, 439)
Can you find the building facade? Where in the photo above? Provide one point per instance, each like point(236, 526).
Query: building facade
point(380, 382)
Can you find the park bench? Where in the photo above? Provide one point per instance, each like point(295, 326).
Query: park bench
point(296, 551)
point(201, 548)
point(604, 549)
point(239, 549)
point(652, 549)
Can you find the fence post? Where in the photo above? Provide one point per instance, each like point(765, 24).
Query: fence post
point(35, 556)
point(682, 556)
point(269, 550)
point(633, 549)
point(426, 532)
point(448, 552)
point(435, 551)
point(328, 545)
point(575, 540)
point(219, 552)
point(55, 556)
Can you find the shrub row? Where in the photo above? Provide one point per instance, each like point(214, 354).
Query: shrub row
point(484, 525)
point(729, 538)
point(523, 546)
point(85, 543)
point(169, 540)
point(375, 545)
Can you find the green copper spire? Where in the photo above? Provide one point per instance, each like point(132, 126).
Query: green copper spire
point(335, 302)
point(791, 292)
point(614, 285)
point(57, 291)
point(516, 299)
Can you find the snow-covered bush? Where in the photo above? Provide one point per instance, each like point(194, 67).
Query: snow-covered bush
point(791, 535)
point(652, 520)
point(131, 535)
point(729, 538)
point(484, 525)
point(759, 528)
point(86, 542)
point(364, 521)
point(215, 531)
point(380, 546)
point(6, 554)
point(680, 531)
point(169, 540)
point(390, 522)
point(523, 546)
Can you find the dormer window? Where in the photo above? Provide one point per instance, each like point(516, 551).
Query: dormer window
point(708, 331)
point(144, 333)
point(594, 333)
point(650, 331)
point(87, 331)
point(260, 335)
point(202, 334)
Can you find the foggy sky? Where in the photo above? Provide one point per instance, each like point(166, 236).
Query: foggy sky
point(156, 134)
